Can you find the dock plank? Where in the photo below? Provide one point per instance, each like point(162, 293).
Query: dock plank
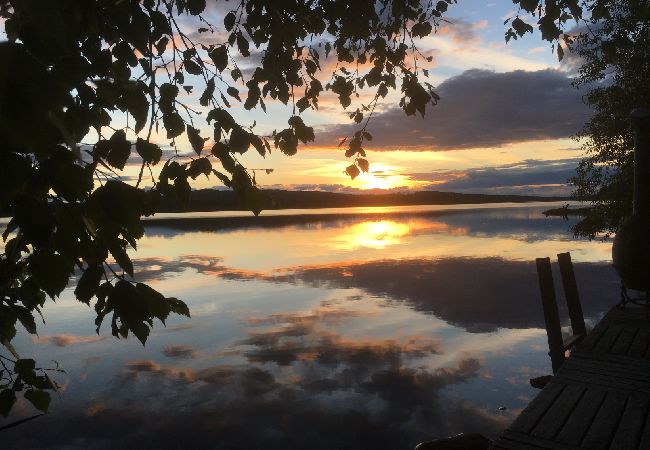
point(603, 427)
point(629, 431)
point(537, 407)
point(553, 420)
point(624, 340)
point(579, 422)
point(640, 344)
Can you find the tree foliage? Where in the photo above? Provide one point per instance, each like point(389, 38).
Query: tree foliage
point(615, 60)
point(609, 41)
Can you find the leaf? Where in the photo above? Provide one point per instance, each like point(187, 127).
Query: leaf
point(141, 331)
point(174, 124)
point(88, 283)
point(199, 166)
point(208, 93)
point(239, 140)
point(178, 306)
point(233, 92)
point(219, 56)
point(242, 44)
point(121, 257)
point(195, 7)
point(521, 27)
point(137, 104)
point(254, 95)
point(352, 171)
point(51, 271)
point(25, 368)
point(120, 150)
point(195, 138)
point(40, 399)
point(192, 67)
point(529, 5)
point(161, 45)
point(363, 164)
point(26, 319)
point(149, 151)
point(229, 20)
point(35, 219)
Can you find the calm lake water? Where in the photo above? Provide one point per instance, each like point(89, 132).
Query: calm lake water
point(333, 331)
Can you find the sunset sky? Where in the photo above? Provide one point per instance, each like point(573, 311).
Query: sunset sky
point(503, 124)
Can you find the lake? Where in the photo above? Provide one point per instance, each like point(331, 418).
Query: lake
point(317, 330)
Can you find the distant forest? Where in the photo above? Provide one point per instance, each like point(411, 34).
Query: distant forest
point(217, 200)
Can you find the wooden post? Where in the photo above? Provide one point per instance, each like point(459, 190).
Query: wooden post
point(571, 294)
point(551, 315)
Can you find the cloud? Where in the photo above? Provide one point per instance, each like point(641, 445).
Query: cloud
point(480, 109)
point(461, 32)
point(307, 337)
point(66, 340)
point(530, 176)
point(180, 351)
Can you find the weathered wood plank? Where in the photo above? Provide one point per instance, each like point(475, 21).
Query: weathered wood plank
point(571, 293)
point(537, 442)
point(604, 425)
point(580, 420)
point(607, 341)
point(593, 337)
point(629, 430)
point(605, 383)
point(624, 341)
point(551, 314)
point(644, 441)
point(555, 417)
point(609, 367)
point(537, 407)
point(639, 344)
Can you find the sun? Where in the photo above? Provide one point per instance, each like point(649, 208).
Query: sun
point(382, 177)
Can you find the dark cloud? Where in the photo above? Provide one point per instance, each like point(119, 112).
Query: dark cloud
point(526, 177)
point(481, 108)
point(454, 289)
point(66, 340)
point(180, 351)
point(303, 338)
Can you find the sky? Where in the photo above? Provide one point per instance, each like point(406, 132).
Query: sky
point(503, 124)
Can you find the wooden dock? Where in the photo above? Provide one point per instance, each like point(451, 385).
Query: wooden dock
point(599, 398)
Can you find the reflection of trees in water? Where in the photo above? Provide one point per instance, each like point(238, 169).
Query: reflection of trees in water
point(302, 385)
point(526, 223)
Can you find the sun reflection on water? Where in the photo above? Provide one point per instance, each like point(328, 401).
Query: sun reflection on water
point(373, 234)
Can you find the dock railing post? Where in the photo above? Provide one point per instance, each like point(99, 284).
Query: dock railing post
point(551, 314)
point(571, 294)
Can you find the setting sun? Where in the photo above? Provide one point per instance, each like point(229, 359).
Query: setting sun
point(383, 177)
